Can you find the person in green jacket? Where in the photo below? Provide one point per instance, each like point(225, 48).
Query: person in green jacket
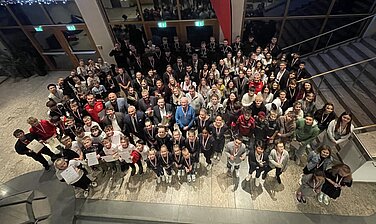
point(306, 131)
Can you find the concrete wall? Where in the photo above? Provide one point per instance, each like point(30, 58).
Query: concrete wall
point(97, 26)
point(237, 10)
point(371, 29)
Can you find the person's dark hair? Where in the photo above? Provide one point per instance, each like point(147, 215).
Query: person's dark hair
point(141, 142)
point(17, 132)
point(51, 103)
point(318, 173)
point(344, 168)
point(51, 84)
point(339, 120)
point(324, 147)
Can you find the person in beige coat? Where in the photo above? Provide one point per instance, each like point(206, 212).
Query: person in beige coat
point(278, 160)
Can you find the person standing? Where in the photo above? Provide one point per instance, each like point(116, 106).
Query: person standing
point(337, 178)
point(339, 130)
point(236, 153)
point(185, 116)
point(278, 160)
point(22, 149)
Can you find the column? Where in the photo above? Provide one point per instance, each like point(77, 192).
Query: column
point(237, 8)
point(97, 27)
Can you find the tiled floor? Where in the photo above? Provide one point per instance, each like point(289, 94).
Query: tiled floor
point(214, 189)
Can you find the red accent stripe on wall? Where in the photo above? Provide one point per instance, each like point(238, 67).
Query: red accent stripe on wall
point(222, 10)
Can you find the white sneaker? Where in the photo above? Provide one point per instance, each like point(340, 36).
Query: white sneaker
point(257, 182)
point(86, 193)
point(320, 197)
point(173, 172)
point(209, 166)
point(237, 172)
point(219, 156)
point(248, 177)
point(215, 156)
point(163, 178)
point(198, 165)
point(179, 174)
point(169, 179)
point(326, 199)
point(94, 184)
point(158, 180)
point(189, 178)
point(193, 177)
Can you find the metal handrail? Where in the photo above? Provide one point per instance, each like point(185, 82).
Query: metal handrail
point(364, 127)
point(331, 31)
point(337, 69)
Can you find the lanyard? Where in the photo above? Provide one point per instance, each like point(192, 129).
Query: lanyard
point(188, 162)
point(340, 180)
point(42, 128)
point(235, 151)
point(192, 145)
point(165, 160)
point(279, 158)
point(204, 143)
point(155, 163)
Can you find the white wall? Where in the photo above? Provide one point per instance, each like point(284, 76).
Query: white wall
point(97, 27)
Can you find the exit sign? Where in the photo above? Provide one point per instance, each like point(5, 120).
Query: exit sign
point(200, 23)
point(38, 28)
point(162, 24)
point(71, 27)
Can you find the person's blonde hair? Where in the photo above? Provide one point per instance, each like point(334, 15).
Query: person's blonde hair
point(32, 120)
point(58, 162)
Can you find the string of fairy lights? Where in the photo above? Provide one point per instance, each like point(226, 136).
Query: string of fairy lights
point(30, 2)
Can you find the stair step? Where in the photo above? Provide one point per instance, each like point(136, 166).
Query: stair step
point(342, 94)
point(325, 90)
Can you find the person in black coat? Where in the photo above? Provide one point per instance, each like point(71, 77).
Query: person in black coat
point(22, 149)
point(111, 117)
point(257, 161)
point(206, 146)
point(134, 123)
point(162, 110)
point(120, 56)
point(163, 138)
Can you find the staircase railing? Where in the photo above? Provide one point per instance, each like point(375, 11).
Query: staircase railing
point(341, 68)
point(299, 44)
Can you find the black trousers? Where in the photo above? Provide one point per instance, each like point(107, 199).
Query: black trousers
point(207, 154)
point(39, 157)
point(278, 171)
point(84, 182)
point(258, 171)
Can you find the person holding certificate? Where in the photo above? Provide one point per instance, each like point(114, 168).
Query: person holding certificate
point(71, 172)
point(28, 145)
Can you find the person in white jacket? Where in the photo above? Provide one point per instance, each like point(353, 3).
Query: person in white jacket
point(339, 130)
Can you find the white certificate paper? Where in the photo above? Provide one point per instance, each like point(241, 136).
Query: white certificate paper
point(70, 175)
point(109, 158)
point(92, 159)
point(35, 146)
point(126, 156)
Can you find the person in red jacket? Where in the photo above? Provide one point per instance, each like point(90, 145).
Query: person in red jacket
point(43, 129)
point(257, 83)
point(94, 107)
point(246, 124)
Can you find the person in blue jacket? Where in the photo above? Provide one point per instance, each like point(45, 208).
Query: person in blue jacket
point(185, 116)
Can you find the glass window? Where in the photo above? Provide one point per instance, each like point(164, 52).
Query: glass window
point(64, 13)
point(341, 34)
point(78, 40)
point(20, 46)
point(5, 18)
point(119, 10)
point(205, 33)
point(30, 14)
point(153, 10)
point(352, 6)
point(158, 33)
point(197, 9)
point(308, 7)
point(134, 33)
point(47, 41)
point(262, 30)
point(296, 30)
point(61, 61)
point(264, 8)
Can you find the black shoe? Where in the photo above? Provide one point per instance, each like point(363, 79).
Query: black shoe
point(47, 168)
point(264, 176)
point(299, 199)
point(278, 179)
point(304, 200)
point(133, 172)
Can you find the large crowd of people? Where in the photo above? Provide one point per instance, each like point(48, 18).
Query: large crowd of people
point(163, 107)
